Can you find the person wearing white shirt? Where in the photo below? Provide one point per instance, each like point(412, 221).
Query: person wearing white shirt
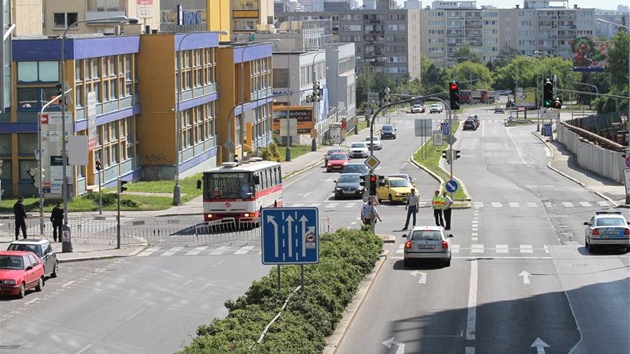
point(412, 207)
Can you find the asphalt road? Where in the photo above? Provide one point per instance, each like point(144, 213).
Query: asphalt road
point(520, 282)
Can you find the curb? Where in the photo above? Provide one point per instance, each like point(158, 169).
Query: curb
point(334, 340)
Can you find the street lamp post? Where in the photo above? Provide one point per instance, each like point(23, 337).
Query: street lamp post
point(177, 192)
point(315, 104)
point(67, 244)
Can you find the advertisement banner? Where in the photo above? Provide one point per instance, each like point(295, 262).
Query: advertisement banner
point(303, 115)
point(589, 55)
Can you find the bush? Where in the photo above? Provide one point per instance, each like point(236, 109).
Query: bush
point(270, 152)
point(345, 258)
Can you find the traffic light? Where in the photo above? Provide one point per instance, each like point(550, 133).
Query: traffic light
point(317, 91)
point(457, 154)
point(98, 165)
point(121, 185)
point(387, 98)
point(446, 154)
point(32, 173)
point(557, 103)
point(373, 184)
point(453, 89)
point(548, 94)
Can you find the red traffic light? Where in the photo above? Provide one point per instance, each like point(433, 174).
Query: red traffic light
point(373, 178)
point(454, 86)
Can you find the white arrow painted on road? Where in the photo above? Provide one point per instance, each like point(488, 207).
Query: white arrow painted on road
point(303, 220)
point(540, 346)
point(391, 342)
point(270, 219)
point(525, 276)
point(423, 276)
point(290, 220)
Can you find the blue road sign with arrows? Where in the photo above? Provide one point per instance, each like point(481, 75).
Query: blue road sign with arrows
point(452, 186)
point(290, 235)
point(445, 128)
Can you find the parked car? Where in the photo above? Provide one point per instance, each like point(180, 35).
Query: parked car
point(376, 141)
point(394, 189)
point(332, 151)
point(356, 167)
point(607, 228)
point(336, 162)
point(359, 149)
point(427, 243)
point(43, 250)
point(418, 108)
point(436, 108)
point(20, 271)
point(348, 185)
point(499, 109)
point(388, 131)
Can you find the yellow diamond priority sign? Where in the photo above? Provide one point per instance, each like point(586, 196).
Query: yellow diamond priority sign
point(372, 162)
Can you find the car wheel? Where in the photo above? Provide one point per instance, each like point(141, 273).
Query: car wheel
point(40, 284)
point(22, 291)
point(447, 263)
point(406, 262)
point(590, 247)
point(337, 197)
point(55, 270)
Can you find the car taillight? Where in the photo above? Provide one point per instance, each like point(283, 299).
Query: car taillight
point(627, 232)
point(444, 245)
point(595, 232)
point(408, 245)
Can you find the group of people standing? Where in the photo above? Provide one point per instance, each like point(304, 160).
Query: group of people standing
point(19, 213)
point(441, 204)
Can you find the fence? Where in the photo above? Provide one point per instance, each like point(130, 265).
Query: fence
point(153, 230)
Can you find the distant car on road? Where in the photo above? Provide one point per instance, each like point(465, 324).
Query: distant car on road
point(388, 131)
point(42, 249)
point(359, 149)
point(336, 162)
point(607, 228)
point(348, 185)
point(427, 243)
point(469, 125)
point(499, 109)
point(356, 167)
point(332, 151)
point(436, 108)
point(375, 140)
point(20, 271)
point(417, 108)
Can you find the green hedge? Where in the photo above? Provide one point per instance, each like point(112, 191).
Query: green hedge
point(345, 258)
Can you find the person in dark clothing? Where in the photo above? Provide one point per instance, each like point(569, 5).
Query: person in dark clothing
point(57, 220)
point(20, 217)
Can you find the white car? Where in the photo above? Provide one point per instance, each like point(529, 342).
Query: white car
point(430, 243)
point(607, 228)
point(436, 108)
point(417, 108)
point(376, 141)
point(359, 149)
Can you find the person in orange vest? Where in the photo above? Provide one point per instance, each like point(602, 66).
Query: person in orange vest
point(438, 205)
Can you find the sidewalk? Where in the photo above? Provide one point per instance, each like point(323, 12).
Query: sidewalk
point(562, 161)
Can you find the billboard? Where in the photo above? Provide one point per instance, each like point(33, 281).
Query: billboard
point(302, 114)
point(588, 55)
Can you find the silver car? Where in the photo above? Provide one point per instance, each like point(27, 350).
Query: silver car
point(359, 149)
point(43, 250)
point(427, 243)
point(375, 140)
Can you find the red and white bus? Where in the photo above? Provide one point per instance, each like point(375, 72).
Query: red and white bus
point(236, 192)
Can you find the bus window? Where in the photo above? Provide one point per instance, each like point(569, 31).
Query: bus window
point(228, 185)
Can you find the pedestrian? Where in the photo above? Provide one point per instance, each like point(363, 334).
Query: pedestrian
point(448, 202)
point(438, 206)
point(56, 217)
point(412, 207)
point(368, 212)
point(20, 217)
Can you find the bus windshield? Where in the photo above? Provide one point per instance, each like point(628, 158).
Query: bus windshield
point(229, 185)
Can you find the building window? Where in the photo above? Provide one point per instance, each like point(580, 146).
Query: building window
point(5, 145)
point(38, 71)
point(64, 19)
point(27, 143)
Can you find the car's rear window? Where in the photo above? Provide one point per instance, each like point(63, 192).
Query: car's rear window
point(338, 157)
point(426, 235)
point(20, 247)
point(610, 222)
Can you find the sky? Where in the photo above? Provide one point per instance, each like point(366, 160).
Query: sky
point(598, 4)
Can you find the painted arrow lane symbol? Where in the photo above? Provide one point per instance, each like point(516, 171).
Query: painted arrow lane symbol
point(423, 276)
point(525, 276)
point(540, 346)
point(400, 347)
point(270, 219)
point(290, 220)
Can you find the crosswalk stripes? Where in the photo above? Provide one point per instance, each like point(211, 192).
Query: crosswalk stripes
point(196, 251)
point(172, 251)
point(355, 204)
point(477, 248)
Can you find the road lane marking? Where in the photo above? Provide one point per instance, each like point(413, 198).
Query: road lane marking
point(196, 251)
point(471, 321)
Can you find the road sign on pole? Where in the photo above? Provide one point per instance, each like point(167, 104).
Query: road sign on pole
point(446, 128)
point(290, 235)
point(452, 186)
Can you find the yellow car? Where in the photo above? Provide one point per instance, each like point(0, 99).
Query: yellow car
point(394, 189)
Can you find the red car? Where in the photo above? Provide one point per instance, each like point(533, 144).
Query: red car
point(20, 271)
point(337, 161)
